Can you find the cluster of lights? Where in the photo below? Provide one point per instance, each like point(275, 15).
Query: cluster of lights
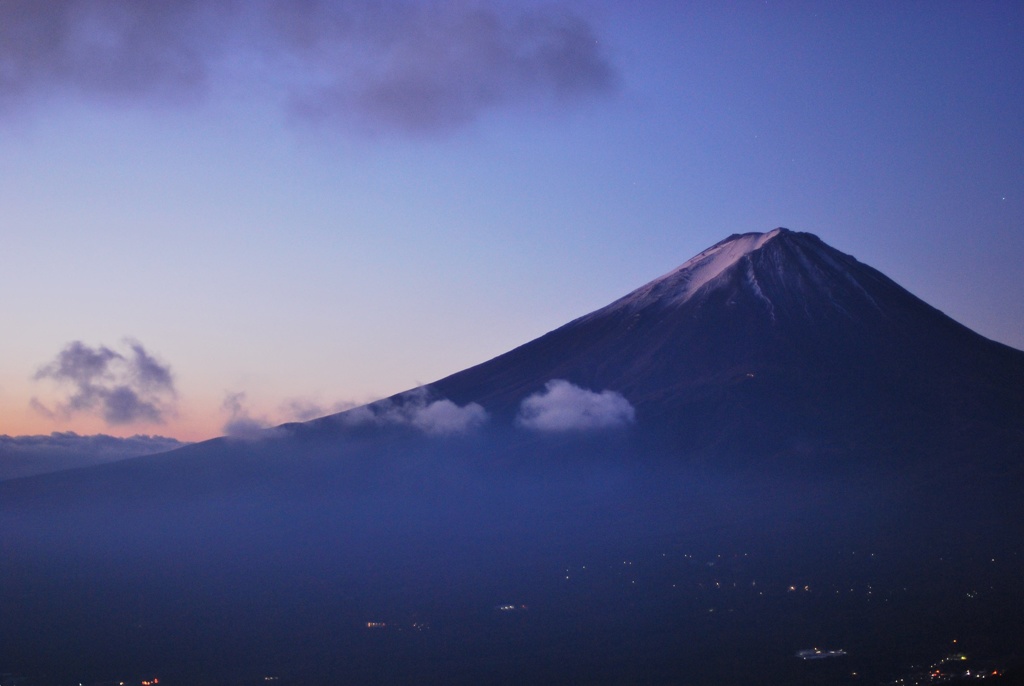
point(935, 673)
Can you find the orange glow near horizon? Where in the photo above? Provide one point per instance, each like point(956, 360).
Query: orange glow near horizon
point(19, 419)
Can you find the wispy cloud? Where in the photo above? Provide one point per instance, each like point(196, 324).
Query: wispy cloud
point(241, 423)
point(417, 409)
point(563, 406)
point(121, 387)
point(301, 410)
point(305, 409)
point(367, 66)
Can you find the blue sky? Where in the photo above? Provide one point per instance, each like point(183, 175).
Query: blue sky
point(292, 207)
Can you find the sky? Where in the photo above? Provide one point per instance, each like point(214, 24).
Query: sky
point(225, 213)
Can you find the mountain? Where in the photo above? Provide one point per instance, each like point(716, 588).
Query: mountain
point(777, 341)
point(773, 447)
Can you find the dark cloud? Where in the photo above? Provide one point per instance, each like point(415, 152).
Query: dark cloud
point(150, 374)
point(105, 48)
point(121, 388)
point(27, 455)
point(563, 406)
point(424, 67)
point(369, 66)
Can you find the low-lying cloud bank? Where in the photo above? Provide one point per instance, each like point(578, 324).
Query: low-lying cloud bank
point(563, 406)
point(27, 455)
point(437, 417)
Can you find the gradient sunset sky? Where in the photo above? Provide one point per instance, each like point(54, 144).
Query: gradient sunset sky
point(272, 210)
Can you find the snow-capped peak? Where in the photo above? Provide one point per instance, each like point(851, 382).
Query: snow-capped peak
point(678, 285)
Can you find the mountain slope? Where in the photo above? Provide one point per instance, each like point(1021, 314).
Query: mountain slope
point(776, 341)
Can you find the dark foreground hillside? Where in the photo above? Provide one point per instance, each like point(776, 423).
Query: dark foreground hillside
point(576, 569)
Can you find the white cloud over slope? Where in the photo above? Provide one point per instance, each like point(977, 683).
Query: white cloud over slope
point(563, 406)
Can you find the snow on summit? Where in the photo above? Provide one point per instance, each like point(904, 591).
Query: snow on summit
point(698, 270)
point(678, 285)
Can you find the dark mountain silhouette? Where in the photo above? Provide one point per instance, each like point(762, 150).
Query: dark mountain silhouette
point(772, 448)
point(779, 343)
